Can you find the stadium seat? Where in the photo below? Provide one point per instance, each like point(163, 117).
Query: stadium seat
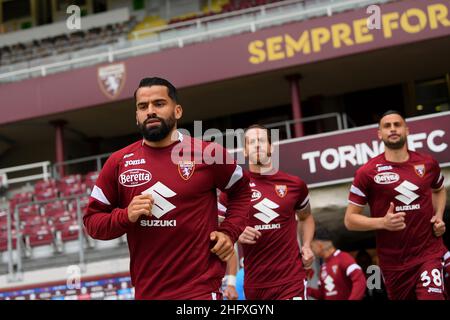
point(29, 211)
point(4, 241)
point(47, 194)
point(42, 185)
point(38, 236)
point(49, 209)
point(90, 179)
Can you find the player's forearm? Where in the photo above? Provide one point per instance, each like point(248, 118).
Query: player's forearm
point(238, 206)
point(307, 228)
point(439, 201)
point(359, 222)
point(358, 285)
point(106, 226)
point(232, 265)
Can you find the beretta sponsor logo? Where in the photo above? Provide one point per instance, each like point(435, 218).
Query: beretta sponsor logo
point(134, 177)
point(386, 178)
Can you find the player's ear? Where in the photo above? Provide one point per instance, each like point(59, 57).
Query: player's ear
point(178, 112)
point(379, 134)
point(407, 130)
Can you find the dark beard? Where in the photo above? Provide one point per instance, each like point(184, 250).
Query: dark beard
point(395, 145)
point(158, 133)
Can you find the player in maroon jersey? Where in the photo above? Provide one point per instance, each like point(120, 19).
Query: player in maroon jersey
point(406, 196)
point(447, 274)
point(168, 208)
point(340, 277)
point(274, 264)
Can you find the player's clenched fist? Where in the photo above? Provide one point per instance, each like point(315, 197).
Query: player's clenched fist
point(140, 205)
point(438, 226)
point(249, 236)
point(223, 248)
point(394, 221)
point(307, 257)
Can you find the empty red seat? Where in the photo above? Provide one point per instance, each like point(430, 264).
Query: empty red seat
point(4, 241)
point(58, 222)
point(72, 190)
point(90, 179)
point(69, 231)
point(38, 236)
point(28, 211)
point(43, 185)
point(32, 222)
point(54, 207)
point(47, 194)
point(72, 205)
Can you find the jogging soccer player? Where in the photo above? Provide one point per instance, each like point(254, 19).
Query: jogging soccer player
point(274, 264)
point(161, 192)
point(406, 195)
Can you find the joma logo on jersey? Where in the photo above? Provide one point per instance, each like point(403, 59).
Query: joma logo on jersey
point(406, 195)
point(266, 214)
point(134, 177)
point(386, 178)
point(134, 162)
point(383, 168)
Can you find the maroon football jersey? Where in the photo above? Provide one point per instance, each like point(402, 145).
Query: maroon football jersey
point(340, 278)
point(169, 251)
point(409, 186)
point(275, 259)
point(447, 274)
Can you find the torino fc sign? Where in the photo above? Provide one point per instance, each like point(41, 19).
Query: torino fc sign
point(334, 157)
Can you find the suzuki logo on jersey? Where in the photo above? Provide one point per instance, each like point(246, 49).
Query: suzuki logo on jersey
point(160, 192)
point(329, 286)
point(266, 213)
point(407, 195)
point(281, 190)
point(420, 170)
point(134, 162)
point(134, 177)
point(186, 169)
point(386, 178)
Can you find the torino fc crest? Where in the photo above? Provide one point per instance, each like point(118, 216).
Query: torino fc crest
point(111, 79)
point(420, 170)
point(281, 190)
point(186, 169)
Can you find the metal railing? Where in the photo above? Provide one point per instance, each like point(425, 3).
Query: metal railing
point(178, 40)
point(287, 125)
point(198, 23)
point(44, 165)
point(97, 159)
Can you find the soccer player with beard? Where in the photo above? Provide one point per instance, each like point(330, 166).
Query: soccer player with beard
point(406, 196)
point(167, 204)
point(274, 264)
